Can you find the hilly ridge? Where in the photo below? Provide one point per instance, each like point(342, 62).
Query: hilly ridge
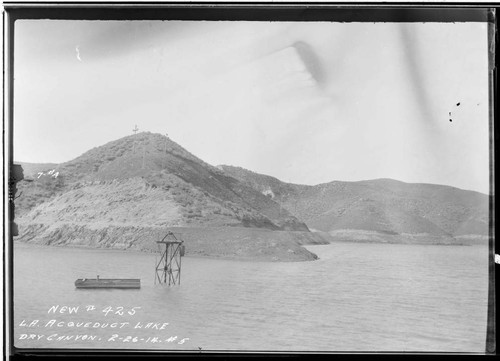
point(384, 206)
point(129, 192)
point(195, 185)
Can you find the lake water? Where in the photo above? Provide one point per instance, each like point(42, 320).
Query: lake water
point(356, 297)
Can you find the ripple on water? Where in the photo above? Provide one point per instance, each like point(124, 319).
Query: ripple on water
point(356, 297)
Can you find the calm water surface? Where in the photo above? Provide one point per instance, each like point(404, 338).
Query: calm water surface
point(356, 297)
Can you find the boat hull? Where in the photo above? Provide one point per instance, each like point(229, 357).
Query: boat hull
point(108, 283)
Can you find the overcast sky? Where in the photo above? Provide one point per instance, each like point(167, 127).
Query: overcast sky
point(307, 103)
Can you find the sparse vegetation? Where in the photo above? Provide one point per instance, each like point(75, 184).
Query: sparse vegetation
point(133, 188)
point(385, 206)
point(146, 181)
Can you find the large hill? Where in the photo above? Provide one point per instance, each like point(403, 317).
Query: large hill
point(128, 193)
point(387, 209)
point(117, 194)
point(204, 193)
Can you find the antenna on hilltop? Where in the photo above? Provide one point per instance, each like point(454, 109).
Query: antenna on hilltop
point(135, 130)
point(166, 138)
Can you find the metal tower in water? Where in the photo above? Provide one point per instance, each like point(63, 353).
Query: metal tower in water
point(168, 269)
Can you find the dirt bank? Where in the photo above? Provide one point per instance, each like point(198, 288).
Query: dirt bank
point(237, 243)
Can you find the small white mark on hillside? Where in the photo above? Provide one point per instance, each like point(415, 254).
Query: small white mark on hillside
point(268, 192)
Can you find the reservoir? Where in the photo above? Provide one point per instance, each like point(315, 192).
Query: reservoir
point(356, 297)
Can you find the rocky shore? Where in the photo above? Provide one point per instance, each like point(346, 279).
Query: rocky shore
point(237, 243)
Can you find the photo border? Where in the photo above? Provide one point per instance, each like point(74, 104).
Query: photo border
point(239, 11)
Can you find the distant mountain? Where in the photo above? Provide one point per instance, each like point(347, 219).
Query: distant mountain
point(40, 184)
point(31, 170)
point(384, 206)
point(128, 192)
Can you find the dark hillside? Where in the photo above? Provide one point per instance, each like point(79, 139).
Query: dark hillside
point(31, 170)
point(128, 192)
point(202, 191)
point(383, 205)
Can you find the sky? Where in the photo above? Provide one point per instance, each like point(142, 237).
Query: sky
point(308, 103)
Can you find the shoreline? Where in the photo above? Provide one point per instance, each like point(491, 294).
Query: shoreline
point(147, 252)
point(236, 258)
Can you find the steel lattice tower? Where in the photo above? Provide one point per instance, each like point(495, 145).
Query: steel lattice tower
point(168, 269)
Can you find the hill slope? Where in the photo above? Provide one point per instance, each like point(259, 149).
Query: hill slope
point(202, 191)
point(31, 170)
point(117, 194)
point(384, 206)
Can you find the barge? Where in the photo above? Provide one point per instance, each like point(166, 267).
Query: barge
point(108, 283)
